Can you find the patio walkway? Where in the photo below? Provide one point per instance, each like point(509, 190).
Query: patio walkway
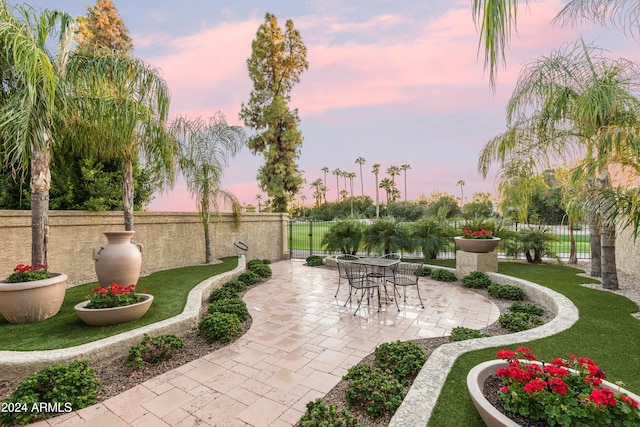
point(301, 342)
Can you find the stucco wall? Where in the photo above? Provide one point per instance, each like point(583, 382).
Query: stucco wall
point(628, 254)
point(170, 239)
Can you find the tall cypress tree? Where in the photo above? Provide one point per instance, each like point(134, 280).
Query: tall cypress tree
point(276, 63)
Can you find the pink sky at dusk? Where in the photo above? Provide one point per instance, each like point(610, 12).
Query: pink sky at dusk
point(393, 82)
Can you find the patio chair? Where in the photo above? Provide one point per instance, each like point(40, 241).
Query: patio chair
point(359, 281)
point(405, 274)
point(342, 274)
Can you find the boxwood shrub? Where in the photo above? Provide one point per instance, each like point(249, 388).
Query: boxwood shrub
point(460, 333)
point(153, 350)
point(223, 293)
point(70, 385)
point(235, 285)
point(509, 292)
point(319, 414)
point(222, 327)
point(314, 260)
point(403, 359)
point(249, 277)
point(262, 270)
point(373, 389)
point(476, 279)
point(443, 275)
point(233, 305)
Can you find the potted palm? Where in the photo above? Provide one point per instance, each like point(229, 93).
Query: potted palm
point(113, 304)
point(31, 294)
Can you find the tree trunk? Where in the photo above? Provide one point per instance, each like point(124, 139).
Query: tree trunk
point(594, 244)
point(207, 243)
point(609, 272)
point(573, 256)
point(40, 184)
point(127, 193)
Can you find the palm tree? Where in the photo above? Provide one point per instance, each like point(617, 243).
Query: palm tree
point(34, 99)
point(376, 171)
point(577, 105)
point(360, 161)
point(205, 150)
point(351, 176)
point(431, 236)
point(258, 198)
point(387, 185)
point(461, 183)
point(338, 173)
point(326, 171)
point(124, 107)
point(392, 171)
point(496, 19)
point(404, 168)
point(319, 191)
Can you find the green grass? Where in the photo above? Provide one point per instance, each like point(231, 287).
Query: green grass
point(605, 332)
point(169, 288)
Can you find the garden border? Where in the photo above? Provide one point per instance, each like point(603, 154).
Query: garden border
point(417, 406)
point(20, 364)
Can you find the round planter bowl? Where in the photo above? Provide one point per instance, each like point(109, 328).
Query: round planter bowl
point(479, 246)
point(491, 416)
point(28, 302)
point(114, 315)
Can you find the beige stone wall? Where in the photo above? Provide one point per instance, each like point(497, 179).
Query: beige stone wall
point(628, 254)
point(170, 239)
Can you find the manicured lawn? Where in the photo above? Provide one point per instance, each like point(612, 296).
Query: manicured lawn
point(605, 332)
point(169, 288)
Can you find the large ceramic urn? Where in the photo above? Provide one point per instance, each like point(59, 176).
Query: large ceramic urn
point(120, 260)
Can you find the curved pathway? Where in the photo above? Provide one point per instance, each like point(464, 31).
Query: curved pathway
point(301, 342)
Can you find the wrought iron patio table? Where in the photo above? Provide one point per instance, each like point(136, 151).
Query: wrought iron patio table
point(378, 264)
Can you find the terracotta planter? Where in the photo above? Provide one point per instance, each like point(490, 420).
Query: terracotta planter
point(479, 246)
point(491, 416)
point(28, 302)
point(119, 261)
point(114, 315)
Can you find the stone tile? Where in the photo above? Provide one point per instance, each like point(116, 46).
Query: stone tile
point(167, 402)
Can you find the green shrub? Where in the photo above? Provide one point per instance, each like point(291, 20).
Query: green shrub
point(443, 275)
point(517, 322)
point(72, 386)
point(460, 333)
point(509, 292)
point(249, 277)
point(320, 415)
point(373, 389)
point(476, 279)
point(223, 293)
point(266, 261)
point(424, 272)
point(153, 350)
point(264, 271)
point(235, 285)
point(223, 327)
point(233, 305)
point(403, 359)
point(253, 263)
point(314, 260)
point(526, 307)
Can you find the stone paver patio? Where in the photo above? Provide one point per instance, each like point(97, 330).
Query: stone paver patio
point(301, 342)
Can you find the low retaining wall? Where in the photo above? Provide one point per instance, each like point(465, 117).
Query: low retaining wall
point(170, 239)
point(20, 364)
point(417, 406)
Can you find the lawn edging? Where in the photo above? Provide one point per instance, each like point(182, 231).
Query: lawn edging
point(20, 364)
point(418, 404)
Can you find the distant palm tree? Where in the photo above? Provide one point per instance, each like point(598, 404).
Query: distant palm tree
point(326, 171)
point(461, 183)
point(319, 191)
point(360, 161)
point(351, 176)
point(392, 171)
point(387, 185)
point(376, 171)
point(258, 198)
point(404, 168)
point(338, 173)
